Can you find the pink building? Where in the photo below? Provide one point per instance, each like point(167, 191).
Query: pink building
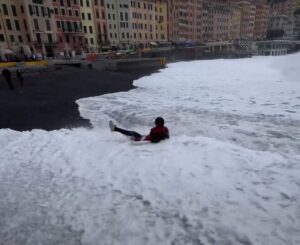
point(68, 24)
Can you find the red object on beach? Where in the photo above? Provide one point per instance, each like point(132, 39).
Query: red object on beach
point(157, 134)
point(91, 57)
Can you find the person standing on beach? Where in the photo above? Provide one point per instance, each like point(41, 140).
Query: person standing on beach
point(7, 75)
point(20, 77)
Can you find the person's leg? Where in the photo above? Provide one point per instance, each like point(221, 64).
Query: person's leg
point(128, 133)
point(10, 85)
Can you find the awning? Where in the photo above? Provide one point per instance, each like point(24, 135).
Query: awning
point(153, 44)
point(8, 51)
point(27, 50)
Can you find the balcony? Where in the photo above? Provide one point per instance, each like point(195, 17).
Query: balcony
point(71, 30)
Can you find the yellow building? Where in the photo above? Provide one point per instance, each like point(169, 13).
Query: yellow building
point(27, 26)
point(14, 32)
point(161, 19)
point(41, 23)
point(88, 25)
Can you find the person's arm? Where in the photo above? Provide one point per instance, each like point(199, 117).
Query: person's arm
point(149, 136)
point(167, 133)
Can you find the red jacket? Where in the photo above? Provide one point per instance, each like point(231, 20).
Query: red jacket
point(157, 134)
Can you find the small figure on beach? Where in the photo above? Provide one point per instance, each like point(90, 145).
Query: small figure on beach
point(157, 134)
point(7, 75)
point(20, 77)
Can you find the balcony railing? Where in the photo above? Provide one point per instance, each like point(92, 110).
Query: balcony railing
point(72, 30)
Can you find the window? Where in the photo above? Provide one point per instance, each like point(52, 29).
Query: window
point(31, 11)
point(85, 29)
point(14, 10)
point(12, 38)
point(58, 24)
point(91, 29)
point(70, 13)
point(20, 39)
point(8, 24)
point(2, 38)
point(92, 40)
point(37, 11)
point(36, 24)
point(63, 12)
point(25, 24)
point(38, 37)
point(5, 10)
point(48, 25)
point(22, 9)
point(88, 3)
point(89, 16)
point(82, 16)
point(17, 25)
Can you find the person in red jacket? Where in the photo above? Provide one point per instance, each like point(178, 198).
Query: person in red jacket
point(158, 133)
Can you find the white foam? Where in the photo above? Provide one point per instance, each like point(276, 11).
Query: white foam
point(228, 175)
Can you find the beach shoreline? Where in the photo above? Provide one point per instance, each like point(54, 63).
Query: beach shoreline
point(48, 99)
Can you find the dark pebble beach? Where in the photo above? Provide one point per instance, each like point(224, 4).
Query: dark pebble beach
point(47, 100)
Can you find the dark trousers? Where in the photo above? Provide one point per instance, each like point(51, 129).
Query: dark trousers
point(9, 82)
point(136, 135)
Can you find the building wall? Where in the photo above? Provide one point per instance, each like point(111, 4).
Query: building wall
point(235, 23)
point(88, 26)
point(118, 18)
point(68, 25)
point(100, 24)
point(161, 20)
point(14, 29)
point(293, 6)
point(173, 20)
point(247, 19)
point(136, 23)
point(261, 21)
point(279, 7)
point(143, 22)
point(216, 20)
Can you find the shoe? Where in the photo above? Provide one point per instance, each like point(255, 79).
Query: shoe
point(112, 126)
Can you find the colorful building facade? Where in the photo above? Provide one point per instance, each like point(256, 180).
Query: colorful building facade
point(68, 25)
